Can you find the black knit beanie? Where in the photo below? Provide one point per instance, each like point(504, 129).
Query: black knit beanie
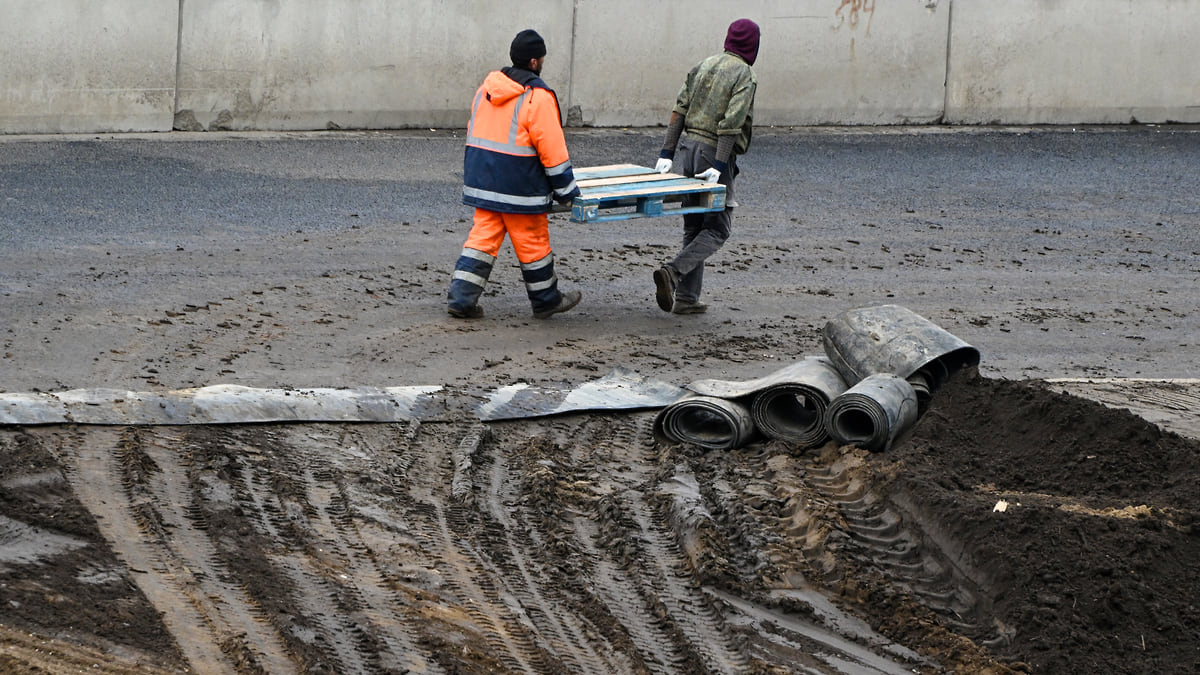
point(527, 45)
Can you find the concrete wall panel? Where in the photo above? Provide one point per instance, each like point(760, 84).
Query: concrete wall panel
point(1060, 62)
point(821, 61)
point(87, 66)
point(315, 64)
point(134, 65)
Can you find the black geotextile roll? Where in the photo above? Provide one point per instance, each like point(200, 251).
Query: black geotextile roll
point(788, 404)
point(707, 421)
point(794, 410)
point(873, 412)
point(893, 339)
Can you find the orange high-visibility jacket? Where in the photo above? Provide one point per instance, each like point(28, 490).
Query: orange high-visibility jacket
point(516, 157)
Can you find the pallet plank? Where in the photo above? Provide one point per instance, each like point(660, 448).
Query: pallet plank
point(682, 187)
point(610, 170)
point(623, 180)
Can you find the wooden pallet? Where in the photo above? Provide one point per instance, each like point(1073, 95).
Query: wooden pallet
point(626, 191)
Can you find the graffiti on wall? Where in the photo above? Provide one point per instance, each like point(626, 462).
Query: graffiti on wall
point(851, 12)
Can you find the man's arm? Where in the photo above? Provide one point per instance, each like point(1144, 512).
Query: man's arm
point(545, 130)
point(674, 131)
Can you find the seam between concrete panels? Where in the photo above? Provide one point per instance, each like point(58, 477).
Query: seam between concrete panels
point(946, 73)
point(178, 58)
point(571, 62)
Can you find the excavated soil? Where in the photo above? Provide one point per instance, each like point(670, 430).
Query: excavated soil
point(577, 544)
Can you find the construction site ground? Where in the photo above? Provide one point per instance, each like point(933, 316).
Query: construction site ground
point(1040, 516)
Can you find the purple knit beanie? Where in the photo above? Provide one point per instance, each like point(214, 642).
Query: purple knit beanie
point(742, 39)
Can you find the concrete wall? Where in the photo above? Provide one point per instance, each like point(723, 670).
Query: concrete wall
point(1064, 62)
point(819, 62)
point(149, 65)
point(87, 65)
point(315, 64)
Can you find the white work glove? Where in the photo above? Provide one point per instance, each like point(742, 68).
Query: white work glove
point(663, 165)
point(710, 176)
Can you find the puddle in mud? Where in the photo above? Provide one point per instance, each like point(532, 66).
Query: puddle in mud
point(579, 544)
point(25, 544)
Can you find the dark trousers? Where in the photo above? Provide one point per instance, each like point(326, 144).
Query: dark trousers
point(703, 233)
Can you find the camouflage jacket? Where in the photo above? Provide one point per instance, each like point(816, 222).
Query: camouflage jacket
point(718, 99)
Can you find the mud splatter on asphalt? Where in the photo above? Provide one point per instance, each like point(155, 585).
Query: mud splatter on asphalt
point(578, 544)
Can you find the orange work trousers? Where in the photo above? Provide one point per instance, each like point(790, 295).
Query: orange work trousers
point(529, 233)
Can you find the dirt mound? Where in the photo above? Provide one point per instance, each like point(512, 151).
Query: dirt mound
point(578, 544)
point(1090, 566)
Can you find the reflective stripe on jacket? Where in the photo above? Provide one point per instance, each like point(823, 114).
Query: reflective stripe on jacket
point(516, 157)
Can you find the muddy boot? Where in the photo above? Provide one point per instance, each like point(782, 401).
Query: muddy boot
point(472, 312)
point(541, 285)
point(566, 301)
point(666, 279)
point(685, 307)
point(471, 273)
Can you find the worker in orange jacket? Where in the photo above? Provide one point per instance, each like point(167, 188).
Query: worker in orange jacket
point(515, 166)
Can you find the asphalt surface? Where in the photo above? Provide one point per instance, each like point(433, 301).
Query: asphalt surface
point(1058, 252)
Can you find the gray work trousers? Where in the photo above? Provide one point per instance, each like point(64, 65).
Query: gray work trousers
point(703, 233)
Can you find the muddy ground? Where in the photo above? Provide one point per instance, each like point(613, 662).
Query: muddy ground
point(1015, 527)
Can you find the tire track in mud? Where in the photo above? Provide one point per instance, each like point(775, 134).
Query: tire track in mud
point(484, 543)
point(521, 575)
point(248, 636)
point(666, 578)
point(26, 653)
point(575, 544)
point(606, 540)
point(273, 553)
point(732, 514)
point(878, 535)
point(339, 509)
point(333, 573)
point(780, 637)
point(338, 588)
point(218, 629)
point(713, 528)
point(444, 544)
point(659, 569)
point(312, 567)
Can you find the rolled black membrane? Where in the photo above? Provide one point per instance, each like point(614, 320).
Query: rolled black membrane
point(792, 412)
point(706, 421)
point(873, 412)
point(894, 339)
point(788, 404)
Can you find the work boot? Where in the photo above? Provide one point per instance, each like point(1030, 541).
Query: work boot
point(567, 301)
point(666, 279)
point(685, 307)
point(471, 273)
point(472, 312)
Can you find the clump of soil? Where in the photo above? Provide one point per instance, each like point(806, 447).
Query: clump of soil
point(1076, 523)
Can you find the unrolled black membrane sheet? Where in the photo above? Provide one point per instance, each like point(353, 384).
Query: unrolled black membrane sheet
point(221, 404)
point(621, 389)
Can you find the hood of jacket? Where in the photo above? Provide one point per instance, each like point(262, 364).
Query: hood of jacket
point(501, 88)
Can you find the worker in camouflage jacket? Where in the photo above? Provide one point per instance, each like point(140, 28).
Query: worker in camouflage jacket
point(715, 107)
